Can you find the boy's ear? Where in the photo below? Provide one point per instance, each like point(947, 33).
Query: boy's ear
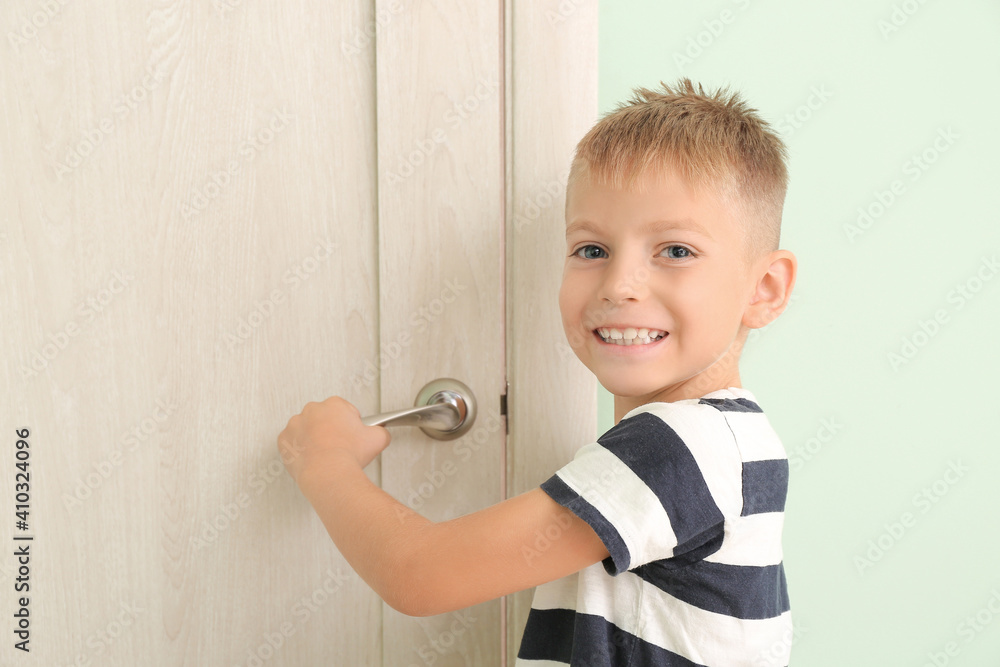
point(775, 279)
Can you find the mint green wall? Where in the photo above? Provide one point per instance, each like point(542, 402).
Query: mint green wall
point(897, 462)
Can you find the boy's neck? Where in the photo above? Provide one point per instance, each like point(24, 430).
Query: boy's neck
point(722, 374)
point(625, 404)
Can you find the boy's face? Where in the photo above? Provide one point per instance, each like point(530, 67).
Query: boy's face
point(686, 279)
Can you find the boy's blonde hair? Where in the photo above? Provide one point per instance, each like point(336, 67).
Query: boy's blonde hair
point(712, 141)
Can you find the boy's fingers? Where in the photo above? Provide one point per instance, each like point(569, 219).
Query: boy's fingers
point(384, 436)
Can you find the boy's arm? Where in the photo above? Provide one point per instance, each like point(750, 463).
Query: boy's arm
point(422, 568)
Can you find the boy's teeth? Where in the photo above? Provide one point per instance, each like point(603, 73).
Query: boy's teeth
point(630, 335)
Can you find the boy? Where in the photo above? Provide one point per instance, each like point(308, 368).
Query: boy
point(670, 524)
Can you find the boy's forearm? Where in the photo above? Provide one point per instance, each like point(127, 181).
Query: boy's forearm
point(374, 532)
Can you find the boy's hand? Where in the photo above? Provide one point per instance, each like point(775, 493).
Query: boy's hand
point(324, 431)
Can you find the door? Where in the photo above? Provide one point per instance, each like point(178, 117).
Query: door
point(217, 212)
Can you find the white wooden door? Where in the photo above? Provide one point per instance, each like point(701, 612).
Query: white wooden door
point(215, 212)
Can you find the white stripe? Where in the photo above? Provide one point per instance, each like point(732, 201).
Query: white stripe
point(644, 610)
point(615, 600)
point(705, 637)
point(758, 440)
point(719, 639)
point(707, 436)
point(605, 482)
point(751, 540)
point(558, 594)
point(595, 592)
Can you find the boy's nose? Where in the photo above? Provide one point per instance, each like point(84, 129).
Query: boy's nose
point(624, 281)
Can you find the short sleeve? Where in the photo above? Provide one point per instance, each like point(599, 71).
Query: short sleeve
point(640, 488)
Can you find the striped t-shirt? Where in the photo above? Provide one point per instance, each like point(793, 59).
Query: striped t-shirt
point(689, 498)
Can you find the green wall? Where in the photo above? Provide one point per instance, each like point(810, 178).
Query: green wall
point(890, 541)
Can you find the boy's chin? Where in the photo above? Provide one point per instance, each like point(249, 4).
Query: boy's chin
point(629, 389)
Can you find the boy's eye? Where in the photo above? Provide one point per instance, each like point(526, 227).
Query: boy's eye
point(680, 252)
point(684, 252)
point(576, 253)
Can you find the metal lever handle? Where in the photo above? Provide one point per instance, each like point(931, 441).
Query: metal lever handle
point(445, 409)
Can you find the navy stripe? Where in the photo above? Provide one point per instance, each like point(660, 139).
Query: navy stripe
point(560, 492)
point(731, 404)
point(740, 591)
point(765, 486)
point(596, 642)
point(548, 635)
point(700, 546)
point(658, 457)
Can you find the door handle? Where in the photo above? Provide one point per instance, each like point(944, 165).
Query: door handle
point(445, 409)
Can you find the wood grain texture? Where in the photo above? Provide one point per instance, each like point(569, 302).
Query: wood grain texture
point(197, 209)
point(216, 212)
point(441, 285)
point(553, 400)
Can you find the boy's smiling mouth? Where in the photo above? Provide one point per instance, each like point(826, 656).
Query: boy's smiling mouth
point(629, 336)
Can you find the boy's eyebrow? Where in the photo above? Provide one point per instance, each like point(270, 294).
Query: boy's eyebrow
point(654, 226)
